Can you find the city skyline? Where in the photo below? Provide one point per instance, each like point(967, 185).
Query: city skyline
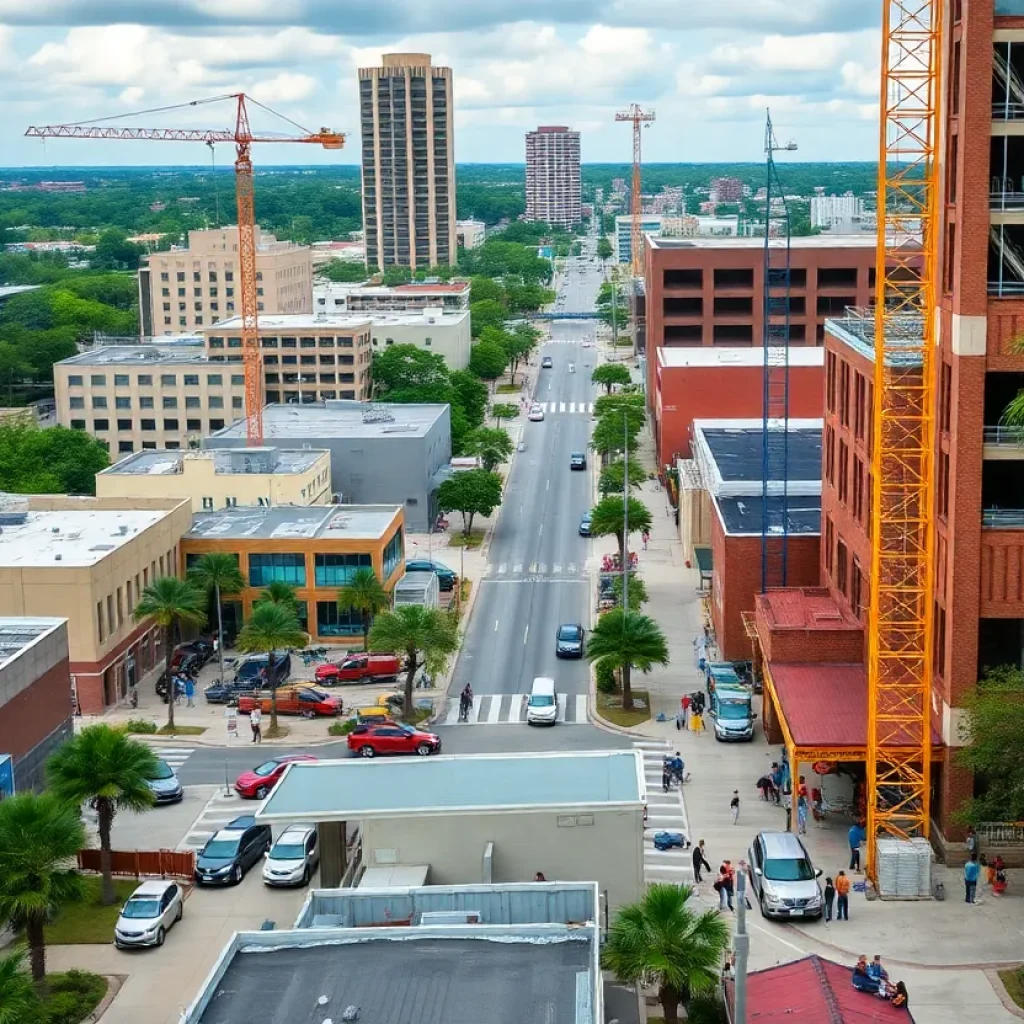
point(514, 67)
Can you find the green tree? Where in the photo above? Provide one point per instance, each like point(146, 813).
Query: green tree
point(171, 603)
point(518, 345)
point(485, 289)
point(488, 360)
point(606, 519)
point(611, 435)
point(627, 640)
point(475, 492)
point(394, 276)
point(19, 1003)
point(504, 411)
point(271, 627)
point(426, 636)
point(51, 461)
point(107, 769)
point(400, 367)
point(365, 594)
point(345, 271)
point(621, 414)
point(40, 836)
point(604, 248)
point(470, 394)
point(486, 313)
point(613, 478)
point(610, 374)
point(115, 252)
point(491, 444)
point(279, 592)
point(661, 941)
point(637, 591)
point(217, 573)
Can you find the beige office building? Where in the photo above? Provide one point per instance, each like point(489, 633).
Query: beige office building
point(199, 285)
point(136, 397)
point(408, 163)
point(88, 560)
point(221, 477)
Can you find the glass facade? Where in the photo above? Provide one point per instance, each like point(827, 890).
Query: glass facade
point(331, 622)
point(286, 568)
point(337, 570)
point(393, 554)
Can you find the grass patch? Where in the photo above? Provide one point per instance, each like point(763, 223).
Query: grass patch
point(181, 730)
point(71, 997)
point(1013, 982)
point(460, 540)
point(508, 389)
point(609, 707)
point(89, 921)
point(278, 732)
point(139, 726)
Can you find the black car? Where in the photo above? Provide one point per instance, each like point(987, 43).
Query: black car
point(248, 671)
point(578, 460)
point(569, 640)
point(229, 853)
point(227, 691)
point(194, 650)
point(445, 577)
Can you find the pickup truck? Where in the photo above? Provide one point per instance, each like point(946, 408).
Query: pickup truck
point(307, 701)
point(359, 667)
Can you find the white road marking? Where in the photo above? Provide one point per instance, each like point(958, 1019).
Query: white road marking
point(547, 486)
point(453, 712)
point(563, 706)
point(517, 568)
point(561, 406)
point(540, 530)
point(581, 707)
point(495, 625)
point(474, 711)
point(494, 711)
point(572, 407)
point(556, 568)
point(542, 568)
point(533, 568)
point(502, 568)
point(526, 635)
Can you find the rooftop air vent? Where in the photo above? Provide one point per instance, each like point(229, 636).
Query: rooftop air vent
point(54, 529)
point(57, 557)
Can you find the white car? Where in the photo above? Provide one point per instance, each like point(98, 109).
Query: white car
point(293, 858)
point(536, 413)
point(150, 911)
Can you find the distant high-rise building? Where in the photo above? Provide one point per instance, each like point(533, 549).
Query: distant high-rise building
point(405, 108)
point(835, 211)
point(726, 190)
point(553, 176)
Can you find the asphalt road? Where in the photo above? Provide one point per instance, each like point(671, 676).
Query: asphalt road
point(537, 576)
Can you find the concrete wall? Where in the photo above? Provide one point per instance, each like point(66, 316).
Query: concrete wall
point(608, 852)
point(446, 337)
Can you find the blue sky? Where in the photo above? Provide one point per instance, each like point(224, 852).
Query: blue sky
point(708, 69)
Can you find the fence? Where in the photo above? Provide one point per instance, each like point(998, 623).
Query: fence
point(1000, 833)
point(137, 863)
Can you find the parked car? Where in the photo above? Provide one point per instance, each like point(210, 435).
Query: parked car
point(293, 858)
point(392, 738)
point(307, 701)
point(249, 670)
point(783, 877)
point(445, 577)
point(199, 649)
point(229, 853)
point(255, 785)
point(546, 363)
point(578, 460)
point(357, 667)
point(585, 525)
point(147, 915)
point(536, 413)
point(569, 640)
point(227, 691)
point(164, 784)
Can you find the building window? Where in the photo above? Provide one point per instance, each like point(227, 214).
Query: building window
point(216, 424)
point(207, 504)
point(175, 444)
point(192, 402)
point(101, 424)
point(193, 425)
point(841, 568)
point(75, 381)
point(332, 622)
point(148, 424)
point(170, 425)
point(236, 402)
point(830, 456)
point(122, 403)
point(146, 402)
point(124, 425)
point(78, 424)
point(169, 402)
point(286, 568)
point(216, 402)
point(829, 538)
point(120, 380)
point(337, 570)
point(191, 380)
point(125, 447)
point(99, 621)
point(214, 380)
point(99, 402)
point(844, 472)
point(856, 593)
point(945, 396)
point(76, 403)
point(237, 379)
point(168, 380)
point(943, 485)
point(231, 503)
point(164, 276)
point(393, 554)
point(148, 445)
point(145, 380)
point(215, 342)
point(939, 641)
point(98, 380)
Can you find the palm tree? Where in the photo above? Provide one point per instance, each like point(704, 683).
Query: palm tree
point(170, 603)
point(271, 627)
point(628, 640)
point(107, 768)
point(18, 999)
point(218, 571)
point(39, 836)
point(277, 592)
point(661, 941)
point(426, 635)
point(365, 594)
point(607, 519)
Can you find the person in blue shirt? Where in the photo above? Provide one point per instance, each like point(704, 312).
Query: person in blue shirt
point(856, 835)
point(971, 871)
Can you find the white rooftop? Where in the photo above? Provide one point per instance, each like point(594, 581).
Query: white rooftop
point(294, 322)
point(329, 522)
point(342, 418)
point(235, 461)
point(18, 634)
point(72, 539)
point(712, 356)
point(862, 240)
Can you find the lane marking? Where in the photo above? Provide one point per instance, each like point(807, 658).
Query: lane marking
point(526, 635)
point(494, 711)
point(495, 625)
point(581, 707)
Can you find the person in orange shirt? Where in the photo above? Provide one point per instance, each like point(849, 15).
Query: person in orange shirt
point(842, 897)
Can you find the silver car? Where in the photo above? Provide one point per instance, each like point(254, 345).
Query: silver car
point(150, 911)
point(293, 858)
point(783, 877)
point(164, 784)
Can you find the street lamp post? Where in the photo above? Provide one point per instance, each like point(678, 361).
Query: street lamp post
point(625, 513)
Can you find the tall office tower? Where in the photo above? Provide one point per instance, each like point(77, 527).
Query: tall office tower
point(405, 107)
point(553, 176)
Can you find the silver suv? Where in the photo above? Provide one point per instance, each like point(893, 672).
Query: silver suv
point(783, 877)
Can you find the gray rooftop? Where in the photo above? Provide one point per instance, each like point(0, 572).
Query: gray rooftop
point(738, 453)
point(246, 461)
point(17, 634)
point(292, 522)
point(743, 516)
point(341, 418)
point(190, 352)
point(904, 336)
point(861, 240)
point(469, 784)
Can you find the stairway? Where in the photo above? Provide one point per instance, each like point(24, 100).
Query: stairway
point(666, 812)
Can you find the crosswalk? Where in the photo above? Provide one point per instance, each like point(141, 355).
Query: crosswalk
point(569, 569)
point(174, 756)
point(221, 808)
point(666, 812)
point(568, 408)
point(510, 709)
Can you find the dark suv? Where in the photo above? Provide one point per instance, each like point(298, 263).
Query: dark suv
point(578, 460)
point(445, 577)
point(229, 853)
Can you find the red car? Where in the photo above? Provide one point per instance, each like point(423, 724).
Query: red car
point(358, 667)
point(373, 738)
point(255, 785)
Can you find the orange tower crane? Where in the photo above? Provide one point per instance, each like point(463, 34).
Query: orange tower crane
point(242, 136)
point(902, 514)
point(639, 118)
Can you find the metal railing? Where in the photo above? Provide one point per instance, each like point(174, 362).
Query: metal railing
point(1003, 518)
point(1004, 437)
point(1006, 202)
point(1007, 111)
point(1000, 833)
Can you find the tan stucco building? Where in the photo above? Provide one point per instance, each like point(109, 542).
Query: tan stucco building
point(88, 560)
point(222, 477)
point(199, 285)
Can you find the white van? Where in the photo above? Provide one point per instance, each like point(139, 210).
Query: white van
point(542, 705)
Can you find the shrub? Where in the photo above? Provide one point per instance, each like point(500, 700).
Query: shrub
point(140, 725)
point(606, 682)
point(72, 997)
point(342, 728)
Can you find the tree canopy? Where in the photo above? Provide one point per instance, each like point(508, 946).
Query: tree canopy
point(472, 493)
point(610, 374)
point(491, 444)
point(52, 461)
point(346, 271)
point(606, 518)
point(627, 640)
point(488, 360)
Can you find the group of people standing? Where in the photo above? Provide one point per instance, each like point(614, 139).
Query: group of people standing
point(690, 715)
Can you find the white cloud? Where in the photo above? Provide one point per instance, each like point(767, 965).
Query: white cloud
point(284, 88)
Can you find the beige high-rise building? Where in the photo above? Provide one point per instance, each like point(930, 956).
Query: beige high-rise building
point(183, 289)
point(553, 176)
point(406, 111)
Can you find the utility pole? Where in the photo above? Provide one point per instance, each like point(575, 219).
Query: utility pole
point(741, 947)
point(625, 514)
point(615, 309)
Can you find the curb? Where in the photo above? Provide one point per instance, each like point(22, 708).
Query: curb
point(999, 988)
point(115, 982)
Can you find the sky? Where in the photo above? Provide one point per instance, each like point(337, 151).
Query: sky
point(708, 69)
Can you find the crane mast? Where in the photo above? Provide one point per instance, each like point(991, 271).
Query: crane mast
point(638, 118)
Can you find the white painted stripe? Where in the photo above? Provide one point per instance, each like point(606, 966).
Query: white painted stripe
point(542, 568)
point(533, 567)
point(563, 705)
point(175, 750)
point(561, 406)
point(572, 407)
point(650, 744)
point(494, 711)
point(474, 711)
point(571, 567)
point(518, 567)
point(556, 568)
point(453, 711)
point(504, 565)
point(581, 707)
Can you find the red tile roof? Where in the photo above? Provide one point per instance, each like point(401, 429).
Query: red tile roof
point(451, 287)
point(804, 608)
point(815, 991)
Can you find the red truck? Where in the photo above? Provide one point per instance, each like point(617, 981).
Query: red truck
point(358, 668)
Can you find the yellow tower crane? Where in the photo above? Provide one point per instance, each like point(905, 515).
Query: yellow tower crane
point(638, 118)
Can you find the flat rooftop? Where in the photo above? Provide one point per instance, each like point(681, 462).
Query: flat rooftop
point(69, 539)
point(355, 788)
point(862, 240)
point(292, 522)
point(342, 419)
point(806, 608)
point(736, 451)
point(186, 351)
point(262, 461)
point(743, 516)
point(904, 338)
point(344, 321)
point(710, 356)
point(18, 634)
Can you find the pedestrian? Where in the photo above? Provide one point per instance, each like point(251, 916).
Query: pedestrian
point(645, 537)
point(666, 775)
point(539, 877)
point(776, 776)
point(255, 717)
point(730, 882)
point(971, 871)
point(699, 861)
point(971, 841)
point(801, 815)
point(830, 896)
point(190, 692)
point(763, 787)
point(685, 701)
point(719, 887)
point(842, 897)
point(734, 806)
point(856, 836)
point(696, 722)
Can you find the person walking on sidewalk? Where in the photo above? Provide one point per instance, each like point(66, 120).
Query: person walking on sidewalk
point(830, 896)
point(971, 871)
point(696, 722)
point(734, 806)
point(255, 717)
point(699, 861)
point(856, 835)
point(842, 897)
point(190, 692)
point(645, 537)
